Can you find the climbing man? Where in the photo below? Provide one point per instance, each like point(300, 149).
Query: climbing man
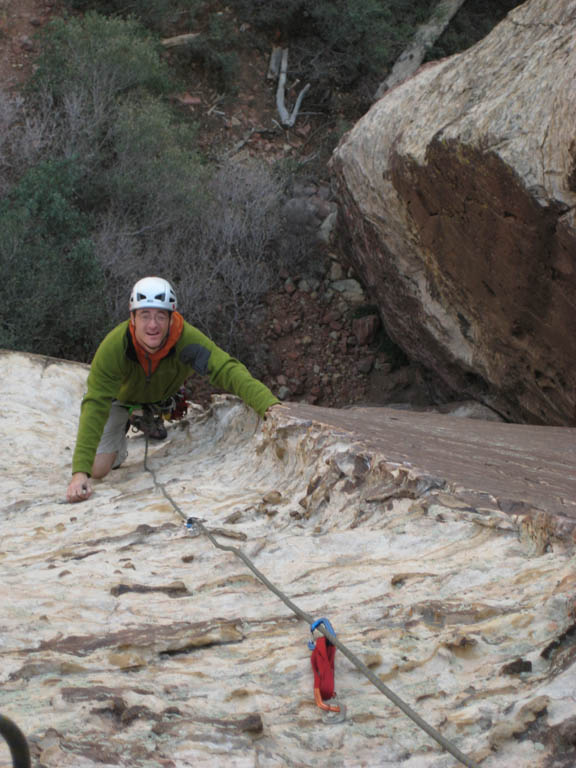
point(144, 361)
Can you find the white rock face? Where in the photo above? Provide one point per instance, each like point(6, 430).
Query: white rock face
point(126, 641)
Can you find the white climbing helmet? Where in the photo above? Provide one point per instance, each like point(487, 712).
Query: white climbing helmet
point(153, 292)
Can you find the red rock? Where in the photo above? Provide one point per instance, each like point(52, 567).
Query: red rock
point(365, 328)
point(297, 387)
point(274, 364)
point(365, 365)
point(188, 100)
point(26, 43)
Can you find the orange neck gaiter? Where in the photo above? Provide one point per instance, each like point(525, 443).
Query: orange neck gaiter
point(149, 360)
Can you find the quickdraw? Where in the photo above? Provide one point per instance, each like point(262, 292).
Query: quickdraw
point(180, 406)
point(322, 660)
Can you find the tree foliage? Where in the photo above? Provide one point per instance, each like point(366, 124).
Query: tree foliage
point(99, 55)
point(338, 43)
point(113, 189)
point(346, 45)
point(51, 279)
point(156, 14)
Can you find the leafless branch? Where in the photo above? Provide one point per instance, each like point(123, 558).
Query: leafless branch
point(178, 40)
point(426, 35)
point(287, 118)
point(274, 64)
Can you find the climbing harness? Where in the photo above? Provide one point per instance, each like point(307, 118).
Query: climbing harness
point(150, 417)
point(196, 527)
point(148, 421)
point(17, 743)
point(174, 407)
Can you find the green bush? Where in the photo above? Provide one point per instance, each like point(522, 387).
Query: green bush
point(338, 42)
point(53, 286)
point(160, 15)
point(151, 190)
point(214, 49)
point(156, 171)
point(100, 57)
point(87, 68)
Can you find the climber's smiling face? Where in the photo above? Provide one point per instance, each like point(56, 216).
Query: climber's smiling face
point(151, 328)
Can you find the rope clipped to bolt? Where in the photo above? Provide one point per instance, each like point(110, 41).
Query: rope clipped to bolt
point(197, 527)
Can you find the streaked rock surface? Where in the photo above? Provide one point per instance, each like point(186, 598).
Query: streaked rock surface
point(458, 201)
point(439, 548)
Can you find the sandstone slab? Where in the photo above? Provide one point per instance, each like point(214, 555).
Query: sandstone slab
point(126, 640)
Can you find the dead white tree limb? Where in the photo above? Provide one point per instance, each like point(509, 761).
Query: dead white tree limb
point(274, 63)
point(287, 118)
point(174, 42)
point(426, 35)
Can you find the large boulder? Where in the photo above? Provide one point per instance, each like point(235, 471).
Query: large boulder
point(458, 193)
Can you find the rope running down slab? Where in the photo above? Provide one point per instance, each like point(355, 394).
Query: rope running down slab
point(394, 698)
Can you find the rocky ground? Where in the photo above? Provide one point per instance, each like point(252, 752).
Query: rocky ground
point(20, 20)
point(320, 337)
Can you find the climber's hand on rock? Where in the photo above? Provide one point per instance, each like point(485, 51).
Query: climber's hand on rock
point(79, 488)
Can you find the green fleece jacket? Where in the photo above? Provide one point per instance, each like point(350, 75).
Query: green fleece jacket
point(116, 374)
